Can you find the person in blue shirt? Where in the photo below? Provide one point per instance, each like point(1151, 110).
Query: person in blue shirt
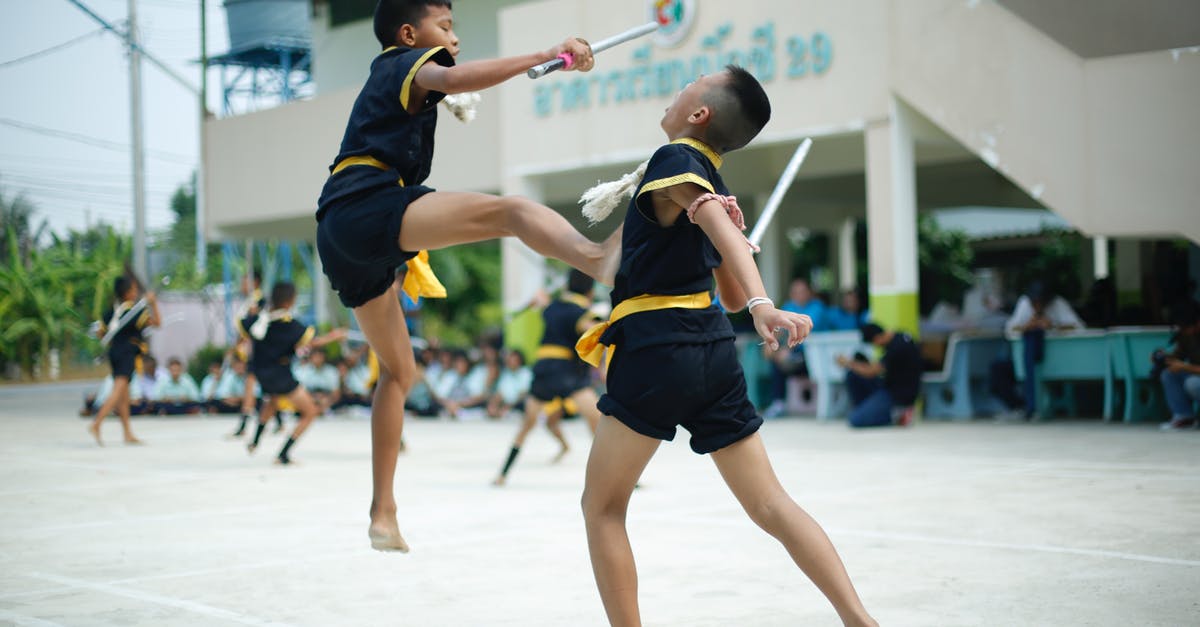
point(177, 393)
point(850, 315)
point(790, 363)
point(374, 212)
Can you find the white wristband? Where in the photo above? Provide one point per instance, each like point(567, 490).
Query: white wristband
point(756, 301)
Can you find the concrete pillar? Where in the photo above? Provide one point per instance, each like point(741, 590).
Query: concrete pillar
point(524, 270)
point(847, 261)
point(892, 221)
point(1100, 258)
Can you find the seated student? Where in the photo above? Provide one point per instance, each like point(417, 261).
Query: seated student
point(144, 385)
point(1181, 370)
point(357, 379)
point(878, 390)
point(1037, 311)
point(230, 392)
point(789, 363)
point(512, 386)
point(321, 379)
point(92, 401)
point(420, 400)
point(208, 385)
point(457, 389)
point(850, 315)
point(177, 393)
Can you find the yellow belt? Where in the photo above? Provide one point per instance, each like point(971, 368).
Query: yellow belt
point(420, 280)
point(554, 351)
point(592, 351)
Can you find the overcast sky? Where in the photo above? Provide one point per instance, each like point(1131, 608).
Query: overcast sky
point(83, 90)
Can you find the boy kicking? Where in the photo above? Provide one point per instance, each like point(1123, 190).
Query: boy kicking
point(374, 214)
point(672, 353)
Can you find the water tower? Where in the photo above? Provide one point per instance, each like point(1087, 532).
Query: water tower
point(270, 54)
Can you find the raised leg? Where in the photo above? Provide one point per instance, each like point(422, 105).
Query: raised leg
point(748, 473)
point(618, 457)
point(441, 219)
point(382, 321)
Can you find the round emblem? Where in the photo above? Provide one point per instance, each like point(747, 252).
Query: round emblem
point(675, 19)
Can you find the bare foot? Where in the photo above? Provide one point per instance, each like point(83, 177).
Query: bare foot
point(499, 481)
point(132, 440)
point(611, 260)
point(251, 447)
point(95, 431)
point(385, 536)
point(561, 455)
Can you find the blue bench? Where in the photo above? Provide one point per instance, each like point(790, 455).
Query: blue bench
point(1129, 351)
point(960, 389)
point(1070, 356)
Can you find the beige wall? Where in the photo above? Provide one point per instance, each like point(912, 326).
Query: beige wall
point(850, 92)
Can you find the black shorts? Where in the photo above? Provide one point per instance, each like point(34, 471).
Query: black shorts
point(558, 378)
point(123, 358)
point(276, 380)
point(700, 387)
point(358, 239)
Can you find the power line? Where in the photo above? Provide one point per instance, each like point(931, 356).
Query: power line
point(55, 48)
point(94, 141)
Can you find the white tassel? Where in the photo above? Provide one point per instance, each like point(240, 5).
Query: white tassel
point(462, 105)
point(258, 328)
point(599, 201)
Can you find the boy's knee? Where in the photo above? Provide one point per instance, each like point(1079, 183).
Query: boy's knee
point(596, 507)
point(1191, 385)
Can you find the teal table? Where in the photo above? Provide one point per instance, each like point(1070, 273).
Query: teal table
point(1070, 356)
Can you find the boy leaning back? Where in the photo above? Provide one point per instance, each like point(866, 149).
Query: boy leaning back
point(672, 354)
point(374, 214)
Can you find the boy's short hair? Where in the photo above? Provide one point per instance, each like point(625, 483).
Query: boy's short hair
point(579, 283)
point(740, 110)
point(390, 15)
point(870, 331)
point(174, 361)
point(121, 285)
point(283, 294)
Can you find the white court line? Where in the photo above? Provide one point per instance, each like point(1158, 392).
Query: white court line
point(22, 620)
point(928, 539)
point(149, 597)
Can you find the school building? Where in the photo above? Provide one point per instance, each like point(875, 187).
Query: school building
point(1086, 108)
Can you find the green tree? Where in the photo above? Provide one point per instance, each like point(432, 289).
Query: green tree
point(472, 277)
point(944, 259)
point(180, 239)
point(16, 215)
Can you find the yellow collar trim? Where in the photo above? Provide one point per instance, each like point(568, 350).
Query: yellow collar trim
point(704, 149)
point(387, 50)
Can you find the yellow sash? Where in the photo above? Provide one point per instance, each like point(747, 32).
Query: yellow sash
point(420, 280)
point(592, 351)
point(554, 351)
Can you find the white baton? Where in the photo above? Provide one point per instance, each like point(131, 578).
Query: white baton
point(565, 59)
point(785, 181)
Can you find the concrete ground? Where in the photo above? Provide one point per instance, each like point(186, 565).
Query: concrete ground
point(1063, 523)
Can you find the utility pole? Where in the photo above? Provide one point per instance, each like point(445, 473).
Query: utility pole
point(201, 213)
point(138, 148)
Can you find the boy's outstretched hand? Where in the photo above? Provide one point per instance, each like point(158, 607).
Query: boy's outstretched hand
point(580, 51)
point(768, 320)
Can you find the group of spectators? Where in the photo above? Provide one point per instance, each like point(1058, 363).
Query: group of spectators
point(458, 383)
point(455, 383)
point(172, 391)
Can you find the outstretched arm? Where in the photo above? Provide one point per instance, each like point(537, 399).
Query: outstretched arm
point(477, 75)
point(738, 265)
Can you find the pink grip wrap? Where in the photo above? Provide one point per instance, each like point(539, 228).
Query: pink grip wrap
point(567, 58)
